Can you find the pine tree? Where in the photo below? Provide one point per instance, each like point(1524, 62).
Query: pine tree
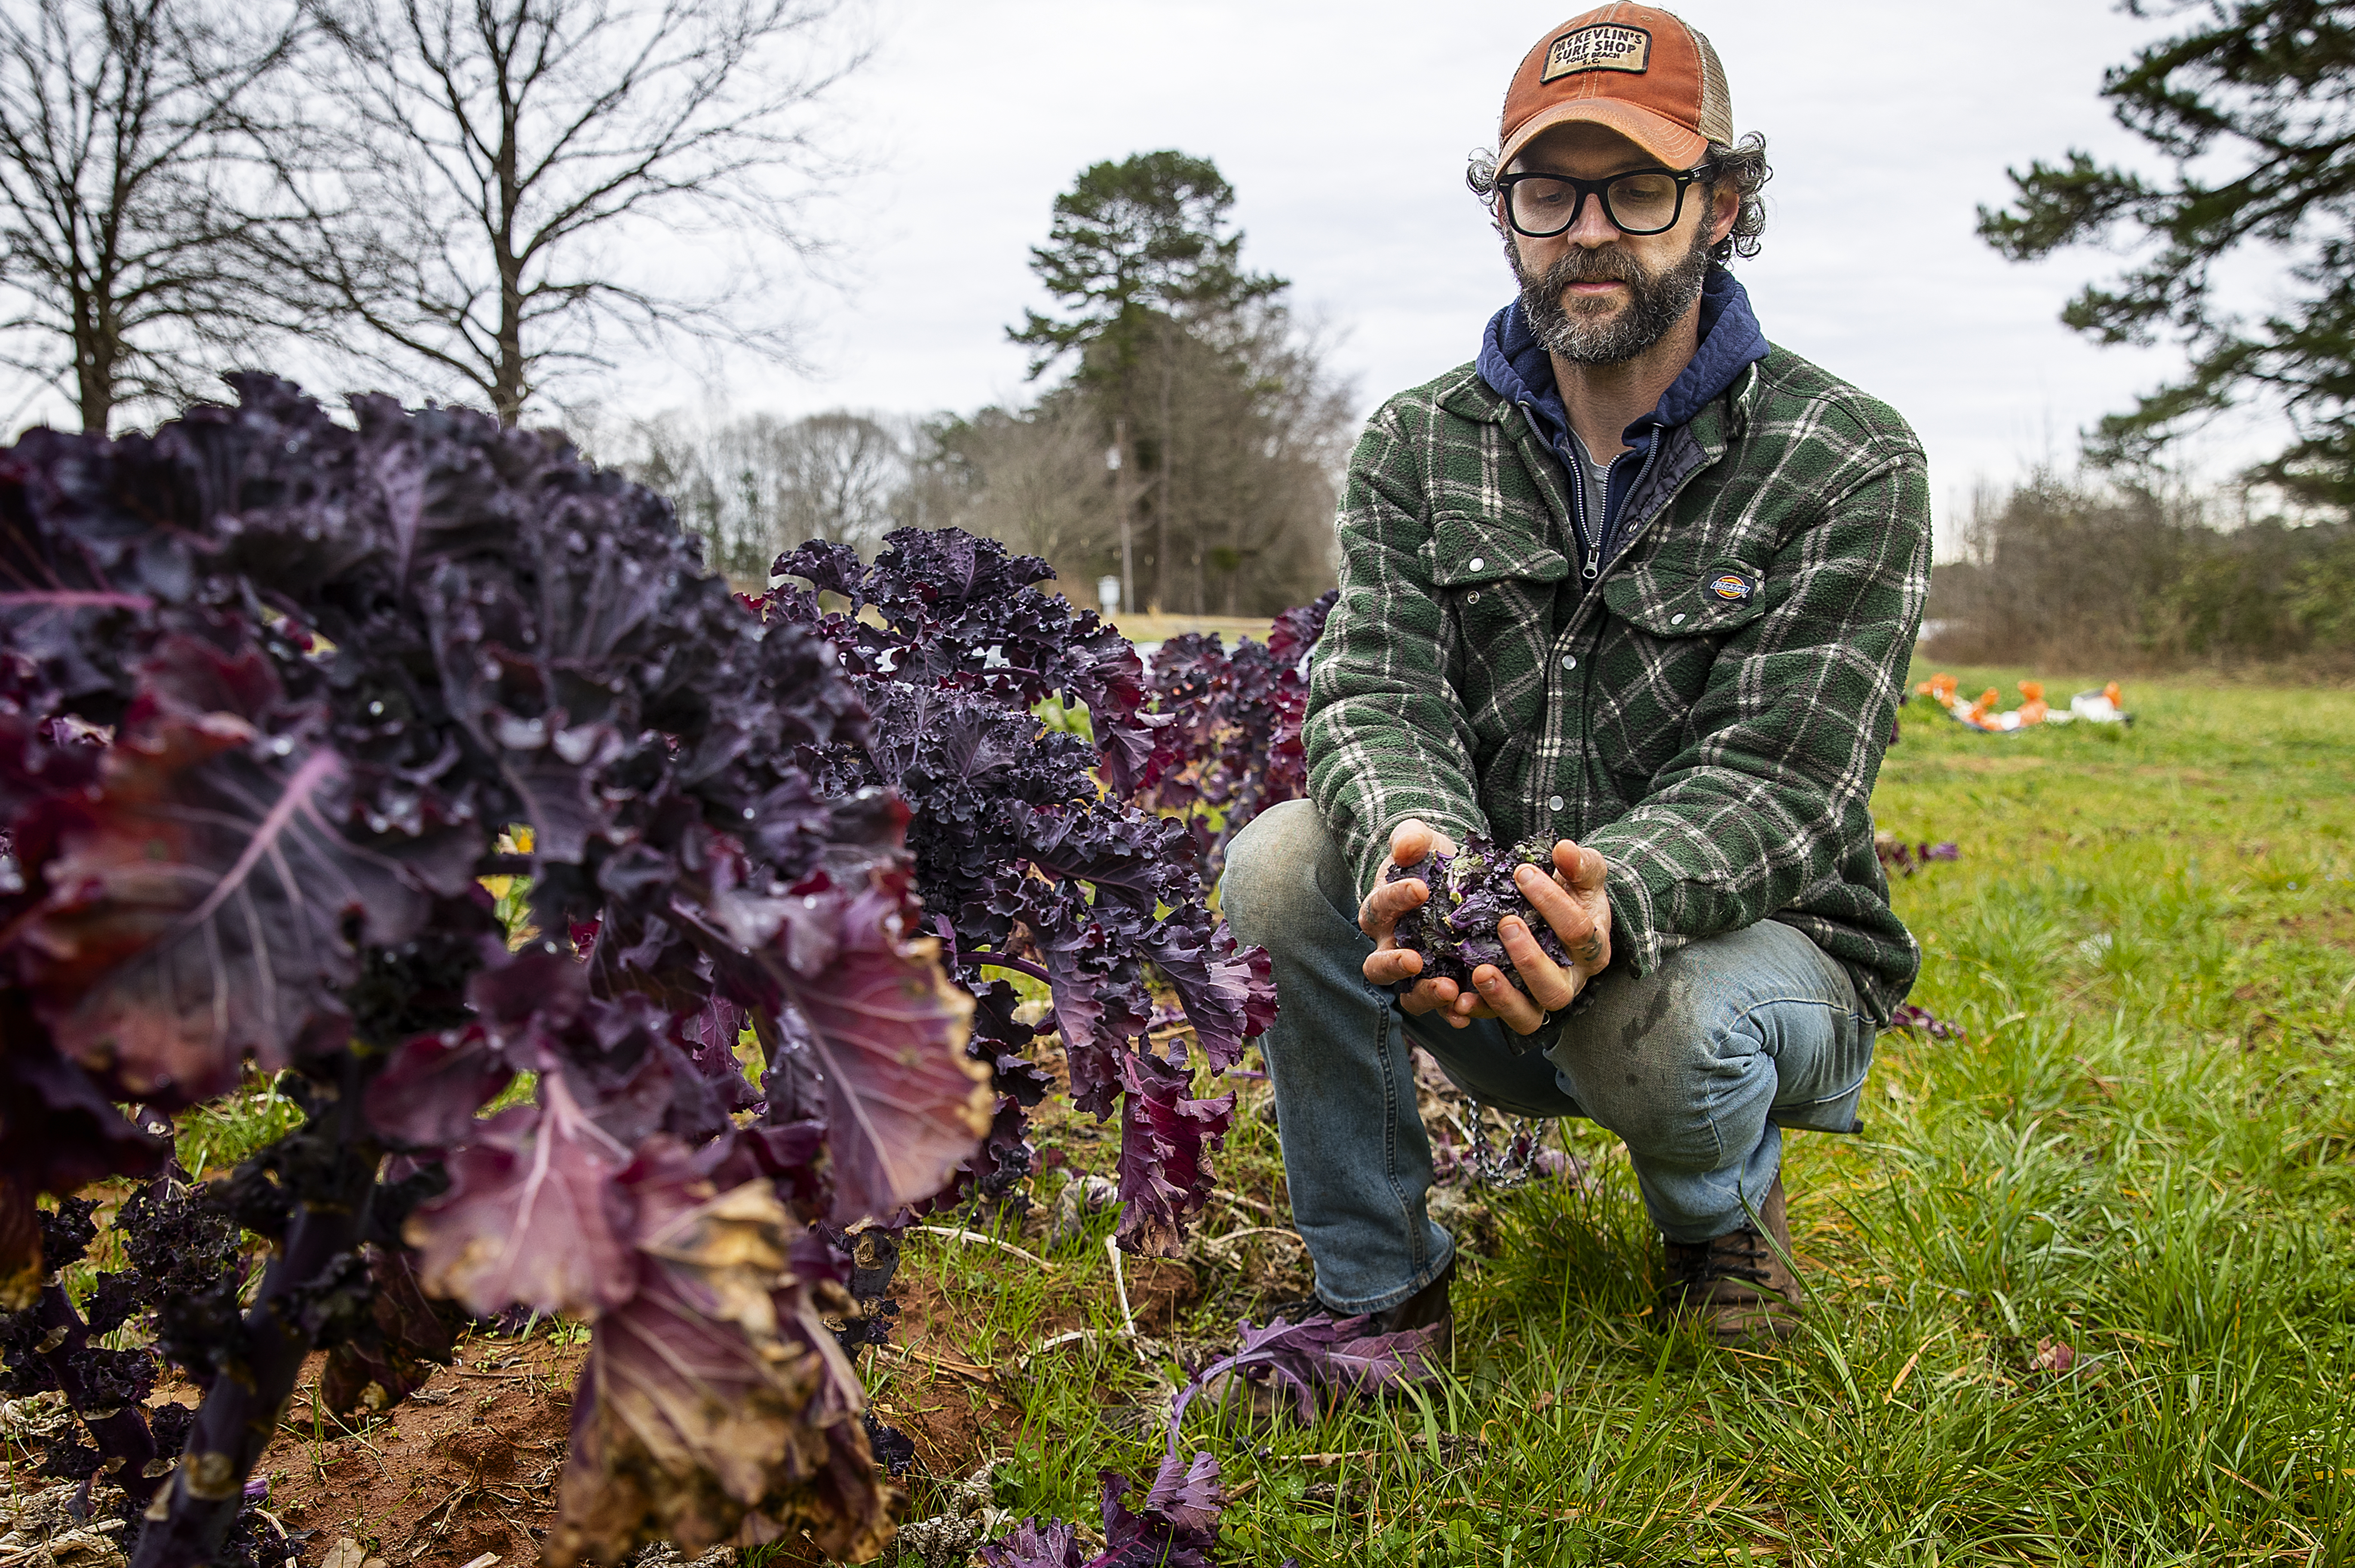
point(2253, 108)
point(1141, 254)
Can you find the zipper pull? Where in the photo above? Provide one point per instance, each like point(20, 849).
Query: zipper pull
point(1594, 563)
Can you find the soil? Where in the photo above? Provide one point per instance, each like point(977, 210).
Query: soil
point(468, 1465)
point(464, 1466)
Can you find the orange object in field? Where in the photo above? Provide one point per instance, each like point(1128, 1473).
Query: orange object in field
point(1940, 687)
point(2111, 691)
point(2033, 709)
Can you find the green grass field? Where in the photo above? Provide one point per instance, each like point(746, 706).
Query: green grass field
point(2144, 1150)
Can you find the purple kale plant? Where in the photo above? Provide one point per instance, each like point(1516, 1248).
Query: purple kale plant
point(1471, 890)
point(276, 692)
point(1233, 747)
point(1031, 857)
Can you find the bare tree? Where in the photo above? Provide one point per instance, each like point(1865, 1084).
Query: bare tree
point(523, 179)
point(1033, 479)
point(126, 162)
point(839, 476)
point(757, 486)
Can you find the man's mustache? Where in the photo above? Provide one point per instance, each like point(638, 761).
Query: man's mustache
point(1604, 265)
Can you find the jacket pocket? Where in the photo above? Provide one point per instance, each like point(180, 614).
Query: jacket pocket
point(1672, 602)
point(1465, 549)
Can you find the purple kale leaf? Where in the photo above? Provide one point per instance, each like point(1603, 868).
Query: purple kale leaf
point(1471, 890)
point(392, 1352)
point(1174, 1525)
point(1311, 1361)
point(1165, 1141)
point(1905, 858)
point(534, 1214)
point(1035, 1543)
point(714, 1400)
point(1930, 1024)
point(205, 899)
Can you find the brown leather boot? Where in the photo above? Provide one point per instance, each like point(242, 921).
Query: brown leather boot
point(1423, 1309)
point(1741, 1285)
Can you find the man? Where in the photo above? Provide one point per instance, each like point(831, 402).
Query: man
point(1640, 583)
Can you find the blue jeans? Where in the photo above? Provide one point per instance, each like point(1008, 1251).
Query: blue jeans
point(1697, 1065)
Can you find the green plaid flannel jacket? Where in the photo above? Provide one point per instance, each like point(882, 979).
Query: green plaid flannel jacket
point(1720, 751)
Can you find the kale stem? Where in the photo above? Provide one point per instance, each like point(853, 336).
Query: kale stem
point(188, 1523)
point(121, 1434)
point(1016, 965)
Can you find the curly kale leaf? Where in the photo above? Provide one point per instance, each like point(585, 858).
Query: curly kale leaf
point(1029, 858)
point(1471, 890)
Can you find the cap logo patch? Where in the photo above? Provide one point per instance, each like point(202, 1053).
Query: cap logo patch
point(1606, 46)
point(1733, 587)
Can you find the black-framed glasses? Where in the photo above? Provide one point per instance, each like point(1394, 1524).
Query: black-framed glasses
point(1641, 201)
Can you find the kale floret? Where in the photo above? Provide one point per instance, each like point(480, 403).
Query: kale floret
point(1456, 929)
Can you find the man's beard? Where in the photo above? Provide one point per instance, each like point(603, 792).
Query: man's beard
point(1656, 300)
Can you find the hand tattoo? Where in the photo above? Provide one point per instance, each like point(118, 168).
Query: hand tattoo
point(1588, 951)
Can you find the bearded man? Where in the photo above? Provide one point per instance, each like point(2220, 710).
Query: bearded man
point(1637, 582)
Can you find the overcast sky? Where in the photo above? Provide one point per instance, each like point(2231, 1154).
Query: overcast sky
point(1343, 128)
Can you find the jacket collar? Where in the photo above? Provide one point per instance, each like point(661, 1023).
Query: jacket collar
point(1513, 368)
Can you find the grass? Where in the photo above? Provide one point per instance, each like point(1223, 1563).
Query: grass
point(2143, 1149)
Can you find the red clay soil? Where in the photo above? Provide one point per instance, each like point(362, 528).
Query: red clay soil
point(469, 1464)
point(465, 1466)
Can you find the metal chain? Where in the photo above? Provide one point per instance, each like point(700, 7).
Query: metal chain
point(1512, 1165)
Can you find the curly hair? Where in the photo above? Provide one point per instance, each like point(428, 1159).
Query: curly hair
point(1742, 166)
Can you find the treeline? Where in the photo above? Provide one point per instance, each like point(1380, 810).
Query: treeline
point(1250, 521)
point(2065, 573)
point(479, 201)
point(1185, 442)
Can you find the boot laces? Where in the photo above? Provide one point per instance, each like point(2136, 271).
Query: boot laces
point(1740, 1254)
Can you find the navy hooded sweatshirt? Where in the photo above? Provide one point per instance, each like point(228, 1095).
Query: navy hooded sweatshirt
point(1516, 365)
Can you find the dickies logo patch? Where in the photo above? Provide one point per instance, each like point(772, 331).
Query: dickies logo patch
point(1606, 46)
point(1733, 587)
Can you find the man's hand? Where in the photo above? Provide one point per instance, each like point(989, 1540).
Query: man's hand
point(1573, 901)
point(1377, 917)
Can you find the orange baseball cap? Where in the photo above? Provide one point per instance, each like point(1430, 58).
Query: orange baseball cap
point(1635, 70)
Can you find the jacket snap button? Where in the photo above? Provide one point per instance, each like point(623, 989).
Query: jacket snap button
point(1570, 661)
point(1473, 597)
point(1477, 564)
point(1675, 620)
point(1554, 803)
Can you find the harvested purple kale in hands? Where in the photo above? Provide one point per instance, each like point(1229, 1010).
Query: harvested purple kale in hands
point(1471, 890)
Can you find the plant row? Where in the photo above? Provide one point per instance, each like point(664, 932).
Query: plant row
point(277, 693)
